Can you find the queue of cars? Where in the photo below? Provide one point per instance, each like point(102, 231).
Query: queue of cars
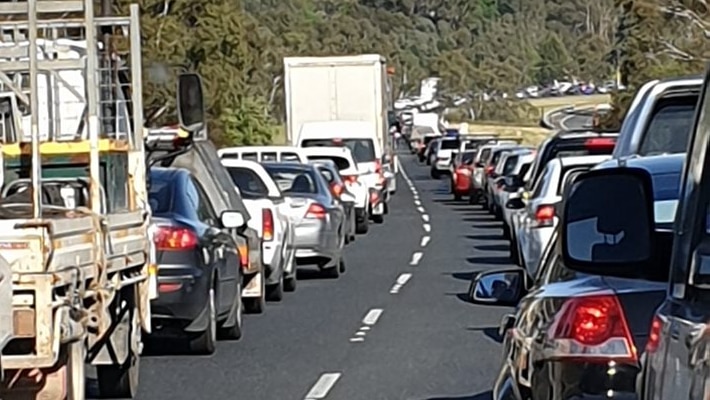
point(609, 233)
point(232, 227)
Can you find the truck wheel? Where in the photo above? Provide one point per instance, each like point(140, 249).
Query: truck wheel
point(378, 219)
point(205, 342)
point(75, 370)
point(234, 332)
point(256, 305)
point(121, 381)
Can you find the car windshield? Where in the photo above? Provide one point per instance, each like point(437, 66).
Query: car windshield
point(467, 157)
point(450, 144)
point(669, 130)
point(160, 195)
point(293, 180)
point(249, 184)
point(363, 150)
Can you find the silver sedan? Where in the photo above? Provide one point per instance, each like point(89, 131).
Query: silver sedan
point(317, 215)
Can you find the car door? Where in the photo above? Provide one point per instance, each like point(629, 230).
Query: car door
point(528, 218)
point(223, 249)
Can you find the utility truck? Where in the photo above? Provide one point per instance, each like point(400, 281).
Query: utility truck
point(75, 250)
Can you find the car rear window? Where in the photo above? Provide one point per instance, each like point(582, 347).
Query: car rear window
point(510, 164)
point(249, 183)
point(270, 156)
point(232, 156)
point(669, 130)
point(468, 157)
point(485, 154)
point(450, 144)
point(340, 162)
point(363, 150)
point(250, 156)
point(524, 169)
point(160, 194)
point(291, 180)
point(290, 157)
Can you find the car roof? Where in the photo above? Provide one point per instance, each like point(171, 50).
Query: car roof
point(289, 165)
point(232, 162)
point(658, 164)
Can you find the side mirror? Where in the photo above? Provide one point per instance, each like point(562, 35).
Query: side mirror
point(232, 219)
point(515, 204)
point(607, 221)
point(190, 100)
point(503, 287)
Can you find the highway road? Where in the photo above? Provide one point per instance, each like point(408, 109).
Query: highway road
point(395, 326)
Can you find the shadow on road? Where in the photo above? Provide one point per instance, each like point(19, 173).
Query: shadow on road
point(490, 260)
point(490, 332)
point(493, 247)
point(481, 396)
point(483, 237)
point(465, 276)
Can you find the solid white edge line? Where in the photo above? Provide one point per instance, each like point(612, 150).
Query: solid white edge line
point(416, 257)
point(372, 316)
point(323, 385)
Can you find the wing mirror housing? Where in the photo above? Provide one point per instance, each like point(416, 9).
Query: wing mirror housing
point(232, 219)
point(503, 287)
point(515, 203)
point(191, 104)
point(607, 221)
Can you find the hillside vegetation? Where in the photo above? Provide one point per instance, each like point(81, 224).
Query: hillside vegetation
point(238, 45)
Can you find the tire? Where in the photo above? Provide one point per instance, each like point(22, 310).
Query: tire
point(514, 254)
point(435, 174)
point(457, 197)
point(275, 292)
point(506, 231)
point(290, 283)
point(121, 381)
point(362, 227)
point(75, 370)
point(256, 305)
point(341, 265)
point(378, 219)
point(471, 198)
point(333, 272)
point(235, 331)
point(205, 342)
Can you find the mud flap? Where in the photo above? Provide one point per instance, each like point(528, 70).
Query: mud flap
point(253, 287)
point(6, 320)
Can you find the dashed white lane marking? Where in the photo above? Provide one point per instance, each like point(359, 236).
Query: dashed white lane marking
point(323, 385)
point(425, 241)
point(417, 202)
point(427, 227)
point(401, 281)
point(360, 333)
point(425, 217)
point(355, 340)
point(364, 328)
point(416, 257)
point(372, 316)
point(421, 209)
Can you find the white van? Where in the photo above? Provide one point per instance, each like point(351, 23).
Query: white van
point(361, 138)
point(264, 154)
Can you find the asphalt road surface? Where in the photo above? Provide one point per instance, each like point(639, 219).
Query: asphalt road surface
point(395, 326)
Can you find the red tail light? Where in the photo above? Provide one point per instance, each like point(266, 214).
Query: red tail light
point(654, 336)
point(172, 238)
point(600, 144)
point(594, 329)
point(545, 215)
point(489, 169)
point(463, 171)
point(267, 224)
point(378, 166)
point(244, 256)
point(316, 211)
point(350, 179)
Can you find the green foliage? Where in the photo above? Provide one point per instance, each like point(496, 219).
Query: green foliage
point(473, 45)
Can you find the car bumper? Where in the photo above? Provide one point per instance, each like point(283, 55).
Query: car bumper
point(315, 239)
point(442, 166)
point(183, 293)
point(587, 381)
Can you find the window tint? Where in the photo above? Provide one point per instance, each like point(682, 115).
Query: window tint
point(270, 156)
point(291, 180)
point(160, 195)
point(669, 130)
point(542, 182)
point(524, 169)
point(250, 156)
point(485, 154)
point(496, 156)
point(327, 175)
point(468, 157)
point(569, 173)
point(232, 156)
point(363, 150)
point(248, 182)
point(450, 144)
point(340, 162)
point(510, 164)
point(199, 202)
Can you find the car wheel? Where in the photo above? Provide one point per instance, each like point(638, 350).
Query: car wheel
point(290, 283)
point(234, 332)
point(341, 265)
point(378, 219)
point(362, 227)
point(457, 197)
point(332, 272)
point(256, 305)
point(205, 342)
point(506, 231)
point(275, 292)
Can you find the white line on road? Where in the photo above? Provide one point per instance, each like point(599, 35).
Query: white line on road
point(421, 209)
point(372, 316)
point(425, 241)
point(425, 217)
point(417, 202)
point(364, 328)
point(360, 333)
point(395, 288)
point(354, 340)
point(416, 257)
point(427, 227)
point(404, 278)
point(323, 386)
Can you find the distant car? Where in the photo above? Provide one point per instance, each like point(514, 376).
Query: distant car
point(199, 279)
point(269, 212)
point(318, 217)
point(462, 169)
point(443, 154)
point(263, 153)
point(330, 173)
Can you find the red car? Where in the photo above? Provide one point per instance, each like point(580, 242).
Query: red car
point(462, 169)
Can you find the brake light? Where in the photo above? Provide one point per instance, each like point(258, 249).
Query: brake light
point(350, 179)
point(489, 170)
point(600, 143)
point(337, 189)
point(171, 238)
point(267, 225)
point(316, 211)
point(378, 166)
point(654, 336)
point(463, 171)
point(545, 215)
point(594, 329)
point(243, 256)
